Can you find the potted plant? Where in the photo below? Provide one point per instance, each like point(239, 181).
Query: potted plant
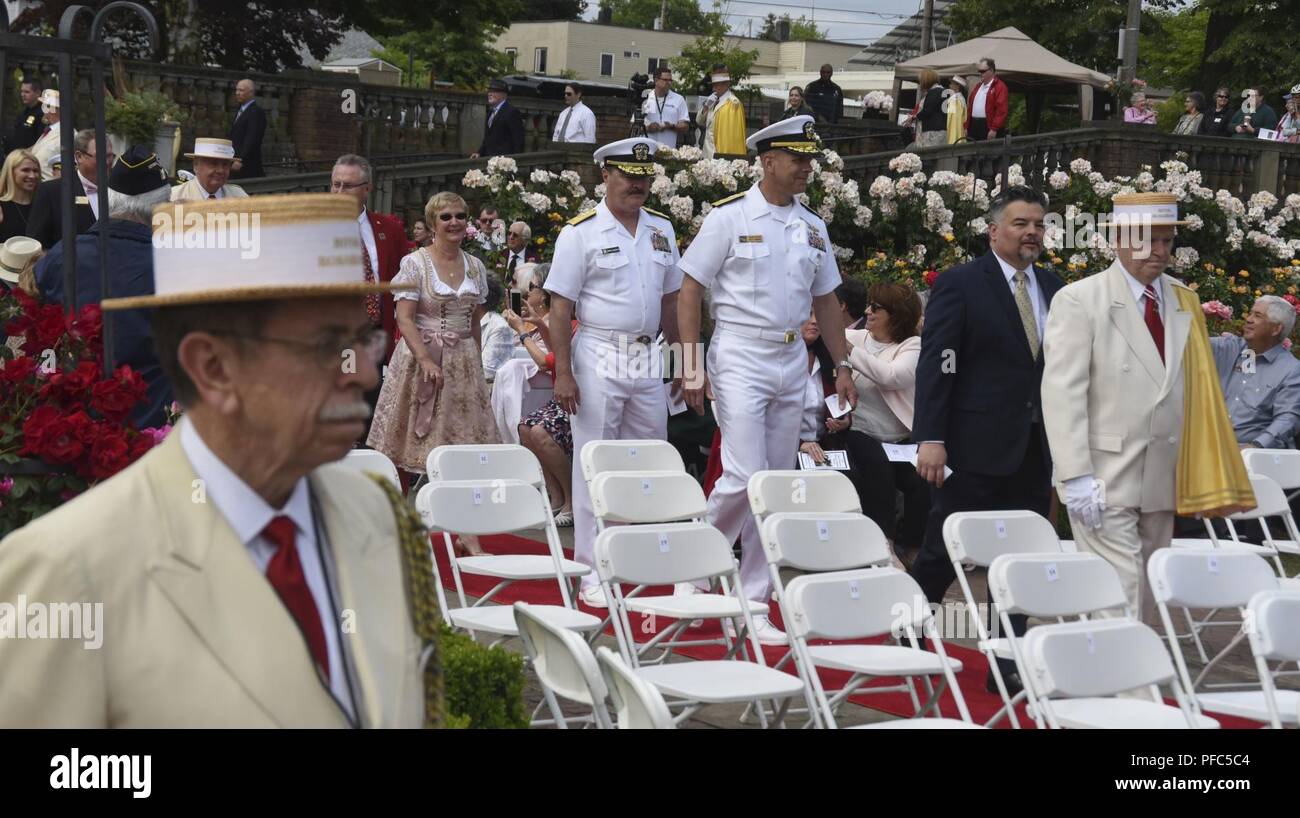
point(145, 118)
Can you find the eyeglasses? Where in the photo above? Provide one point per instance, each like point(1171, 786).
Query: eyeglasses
point(533, 285)
point(874, 307)
point(337, 186)
point(983, 70)
point(1220, 96)
point(329, 352)
point(460, 217)
point(514, 234)
point(568, 93)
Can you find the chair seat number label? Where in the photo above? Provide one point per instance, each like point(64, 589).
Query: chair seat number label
point(823, 531)
point(1001, 526)
point(1052, 574)
point(478, 496)
point(663, 543)
point(1277, 460)
point(646, 487)
point(631, 452)
point(853, 589)
point(482, 458)
point(1092, 645)
point(1212, 563)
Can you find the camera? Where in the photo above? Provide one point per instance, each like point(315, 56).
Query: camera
point(637, 87)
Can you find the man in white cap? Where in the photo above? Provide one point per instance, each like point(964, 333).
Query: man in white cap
point(212, 159)
point(768, 261)
point(618, 264)
point(722, 118)
point(246, 581)
point(49, 144)
point(1134, 414)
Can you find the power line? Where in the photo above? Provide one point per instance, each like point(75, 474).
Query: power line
point(882, 14)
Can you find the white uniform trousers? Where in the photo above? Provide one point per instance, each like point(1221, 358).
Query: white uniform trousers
point(758, 388)
point(611, 406)
point(1126, 539)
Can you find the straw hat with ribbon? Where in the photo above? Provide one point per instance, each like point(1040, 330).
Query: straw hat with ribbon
point(1153, 209)
point(14, 255)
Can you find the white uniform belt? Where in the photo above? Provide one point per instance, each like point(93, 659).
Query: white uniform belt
point(615, 335)
point(780, 336)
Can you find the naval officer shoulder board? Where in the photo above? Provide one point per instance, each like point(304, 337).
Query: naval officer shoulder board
point(582, 217)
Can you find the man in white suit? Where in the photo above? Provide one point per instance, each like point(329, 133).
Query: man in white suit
point(212, 160)
point(244, 581)
point(1113, 394)
point(48, 144)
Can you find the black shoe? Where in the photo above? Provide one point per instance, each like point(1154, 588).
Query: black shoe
point(1011, 680)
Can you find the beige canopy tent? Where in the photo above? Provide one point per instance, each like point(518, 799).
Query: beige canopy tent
point(1024, 65)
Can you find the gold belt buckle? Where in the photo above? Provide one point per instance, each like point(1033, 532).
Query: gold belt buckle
point(789, 335)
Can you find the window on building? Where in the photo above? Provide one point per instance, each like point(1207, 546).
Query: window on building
point(607, 65)
point(513, 54)
point(654, 63)
point(539, 60)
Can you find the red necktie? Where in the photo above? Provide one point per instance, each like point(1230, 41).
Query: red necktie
point(1154, 323)
point(286, 576)
point(372, 299)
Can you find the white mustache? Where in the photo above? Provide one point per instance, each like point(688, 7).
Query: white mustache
point(358, 410)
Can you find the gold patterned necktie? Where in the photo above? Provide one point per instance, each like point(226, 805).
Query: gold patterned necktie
point(1026, 308)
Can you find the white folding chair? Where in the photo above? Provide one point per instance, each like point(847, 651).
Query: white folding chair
point(501, 461)
point(1280, 465)
point(772, 491)
point(638, 704)
point(564, 665)
point(483, 507)
point(1077, 668)
point(668, 553)
point(1270, 501)
point(862, 604)
point(653, 497)
point(373, 462)
point(1213, 578)
point(1273, 635)
point(599, 456)
point(976, 538)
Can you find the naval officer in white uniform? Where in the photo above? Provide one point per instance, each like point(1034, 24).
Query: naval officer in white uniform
point(767, 260)
point(618, 264)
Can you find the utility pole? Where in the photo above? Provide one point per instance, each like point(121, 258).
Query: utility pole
point(663, 15)
point(927, 14)
point(1129, 70)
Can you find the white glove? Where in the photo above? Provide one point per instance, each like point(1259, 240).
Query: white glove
point(1083, 499)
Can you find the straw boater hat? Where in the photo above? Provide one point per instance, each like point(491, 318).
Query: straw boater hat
point(213, 149)
point(308, 243)
point(14, 255)
point(50, 98)
point(1154, 209)
point(794, 135)
point(720, 76)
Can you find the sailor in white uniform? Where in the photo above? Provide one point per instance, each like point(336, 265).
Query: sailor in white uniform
point(618, 264)
point(767, 261)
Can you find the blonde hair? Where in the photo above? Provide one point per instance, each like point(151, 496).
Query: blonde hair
point(442, 201)
point(12, 161)
point(27, 278)
point(928, 78)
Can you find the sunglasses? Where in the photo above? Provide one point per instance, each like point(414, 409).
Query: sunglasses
point(533, 285)
point(874, 307)
point(1220, 96)
point(446, 217)
point(568, 93)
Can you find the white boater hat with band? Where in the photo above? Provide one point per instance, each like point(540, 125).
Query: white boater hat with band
point(14, 255)
point(206, 148)
point(1150, 209)
point(302, 245)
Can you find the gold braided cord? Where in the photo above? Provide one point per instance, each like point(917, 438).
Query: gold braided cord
point(422, 598)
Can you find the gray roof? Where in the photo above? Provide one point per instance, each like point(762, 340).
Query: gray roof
point(904, 40)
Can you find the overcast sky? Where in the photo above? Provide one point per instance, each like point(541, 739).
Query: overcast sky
point(854, 21)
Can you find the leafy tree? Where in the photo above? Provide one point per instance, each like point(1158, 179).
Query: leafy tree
point(681, 15)
point(1170, 56)
point(800, 29)
point(1249, 43)
point(698, 58)
point(552, 10)
point(466, 59)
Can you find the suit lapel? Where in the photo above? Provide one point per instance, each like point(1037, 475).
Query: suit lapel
point(1178, 323)
point(206, 573)
point(1002, 294)
point(1124, 316)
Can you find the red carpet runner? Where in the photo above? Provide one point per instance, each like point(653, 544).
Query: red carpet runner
point(979, 701)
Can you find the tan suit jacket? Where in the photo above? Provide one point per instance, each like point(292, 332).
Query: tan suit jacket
point(193, 634)
point(192, 191)
point(1111, 407)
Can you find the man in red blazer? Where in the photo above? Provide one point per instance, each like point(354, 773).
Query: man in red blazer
point(986, 110)
point(383, 238)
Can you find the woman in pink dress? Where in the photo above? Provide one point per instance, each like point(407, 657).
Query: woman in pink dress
point(434, 392)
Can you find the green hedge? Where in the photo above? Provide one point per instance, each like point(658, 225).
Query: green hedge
point(484, 686)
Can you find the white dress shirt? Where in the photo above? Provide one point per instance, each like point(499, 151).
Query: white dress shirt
point(92, 194)
point(1031, 284)
point(498, 343)
point(981, 94)
point(668, 110)
point(248, 514)
point(579, 123)
point(1139, 294)
point(368, 240)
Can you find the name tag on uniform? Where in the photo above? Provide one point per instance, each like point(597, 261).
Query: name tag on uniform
point(751, 239)
point(83, 200)
point(815, 240)
point(609, 251)
point(660, 242)
point(31, 120)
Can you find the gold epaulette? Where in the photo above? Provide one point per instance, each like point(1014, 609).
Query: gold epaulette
point(733, 197)
point(655, 213)
point(582, 217)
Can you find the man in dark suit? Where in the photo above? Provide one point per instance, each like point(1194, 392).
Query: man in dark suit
point(28, 126)
point(519, 249)
point(978, 408)
point(46, 222)
point(383, 240)
point(505, 125)
point(246, 132)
